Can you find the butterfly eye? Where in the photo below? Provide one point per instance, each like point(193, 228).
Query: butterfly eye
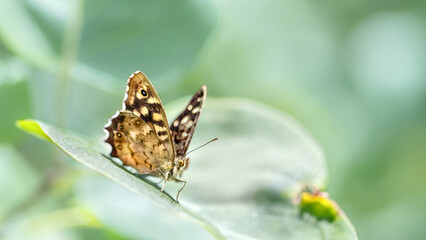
point(144, 93)
point(180, 163)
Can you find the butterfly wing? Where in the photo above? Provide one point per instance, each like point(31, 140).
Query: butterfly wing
point(136, 144)
point(142, 100)
point(183, 126)
point(139, 135)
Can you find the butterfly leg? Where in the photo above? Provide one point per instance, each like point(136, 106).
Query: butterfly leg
point(165, 180)
point(159, 181)
point(184, 184)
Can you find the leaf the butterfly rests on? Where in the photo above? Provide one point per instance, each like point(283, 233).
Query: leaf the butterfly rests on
point(141, 138)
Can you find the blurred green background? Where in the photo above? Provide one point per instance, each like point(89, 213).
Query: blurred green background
point(351, 72)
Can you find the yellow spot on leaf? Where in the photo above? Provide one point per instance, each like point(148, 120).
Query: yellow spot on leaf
point(319, 206)
point(33, 128)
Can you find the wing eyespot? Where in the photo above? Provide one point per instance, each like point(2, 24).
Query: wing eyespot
point(144, 93)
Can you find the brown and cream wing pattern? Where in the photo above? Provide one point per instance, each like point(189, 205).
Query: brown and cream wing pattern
point(142, 100)
point(183, 126)
point(136, 144)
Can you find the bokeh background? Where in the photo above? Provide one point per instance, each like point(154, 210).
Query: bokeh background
point(352, 72)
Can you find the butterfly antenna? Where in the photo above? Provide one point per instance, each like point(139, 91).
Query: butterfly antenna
point(202, 145)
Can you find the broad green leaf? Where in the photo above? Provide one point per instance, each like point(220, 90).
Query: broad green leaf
point(81, 150)
point(240, 187)
point(121, 208)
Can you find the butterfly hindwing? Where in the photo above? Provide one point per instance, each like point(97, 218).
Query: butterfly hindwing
point(183, 126)
point(136, 144)
point(143, 101)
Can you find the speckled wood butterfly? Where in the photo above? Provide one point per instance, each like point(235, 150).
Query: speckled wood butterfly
point(141, 138)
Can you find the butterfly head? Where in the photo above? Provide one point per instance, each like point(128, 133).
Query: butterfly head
point(181, 164)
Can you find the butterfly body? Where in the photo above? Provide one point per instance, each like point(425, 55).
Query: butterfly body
point(139, 134)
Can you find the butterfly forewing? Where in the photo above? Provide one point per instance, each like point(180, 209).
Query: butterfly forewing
point(143, 101)
point(183, 126)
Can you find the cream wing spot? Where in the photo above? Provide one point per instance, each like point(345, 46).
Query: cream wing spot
point(198, 99)
point(144, 111)
point(197, 109)
point(136, 113)
point(184, 120)
point(152, 100)
point(159, 128)
point(176, 123)
point(161, 132)
point(189, 124)
point(189, 107)
point(156, 117)
point(163, 137)
point(139, 95)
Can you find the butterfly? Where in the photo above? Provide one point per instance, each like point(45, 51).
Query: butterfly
point(141, 138)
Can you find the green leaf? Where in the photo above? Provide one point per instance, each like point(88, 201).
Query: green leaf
point(81, 150)
point(120, 207)
point(241, 186)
